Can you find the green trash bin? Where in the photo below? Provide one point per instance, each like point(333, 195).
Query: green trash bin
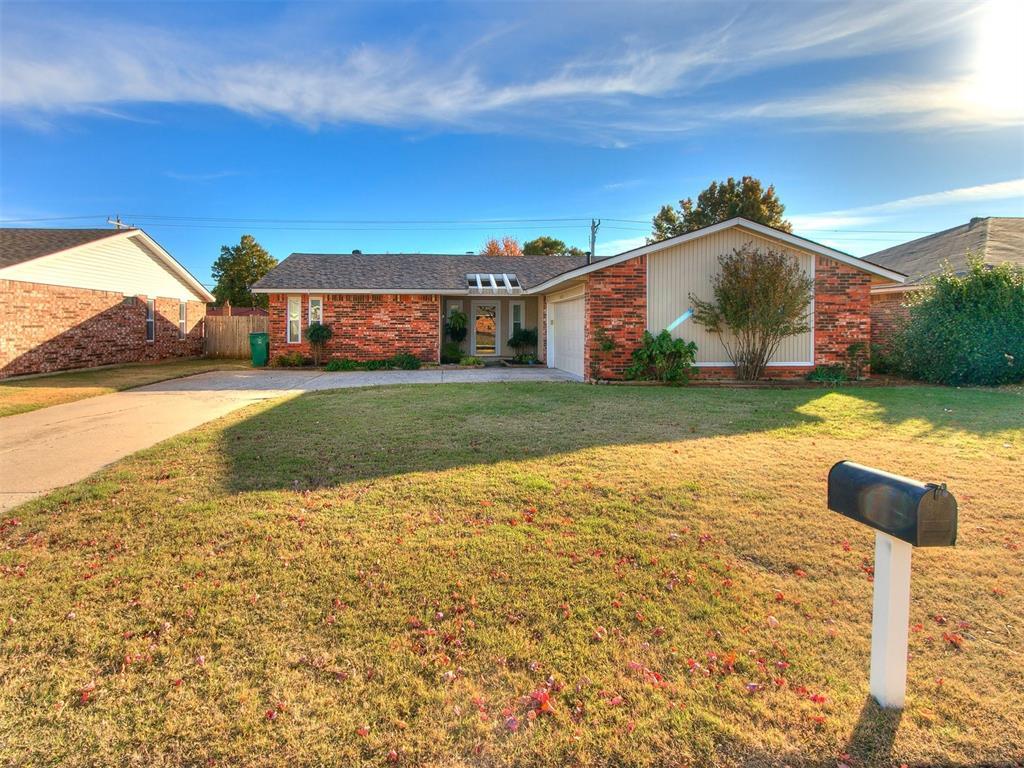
point(259, 345)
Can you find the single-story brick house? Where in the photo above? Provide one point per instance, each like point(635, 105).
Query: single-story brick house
point(995, 239)
point(382, 304)
point(76, 298)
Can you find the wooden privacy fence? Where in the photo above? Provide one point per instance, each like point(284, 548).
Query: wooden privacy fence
point(229, 336)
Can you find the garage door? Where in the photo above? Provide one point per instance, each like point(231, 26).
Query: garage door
point(567, 330)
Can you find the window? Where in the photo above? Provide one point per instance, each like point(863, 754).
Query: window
point(493, 283)
point(150, 320)
point(316, 310)
point(182, 317)
point(518, 321)
point(294, 319)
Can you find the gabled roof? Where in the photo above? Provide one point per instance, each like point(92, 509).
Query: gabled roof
point(994, 239)
point(752, 226)
point(24, 244)
point(19, 245)
point(403, 272)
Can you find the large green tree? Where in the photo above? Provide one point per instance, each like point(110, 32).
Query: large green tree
point(719, 202)
point(548, 246)
point(238, 267)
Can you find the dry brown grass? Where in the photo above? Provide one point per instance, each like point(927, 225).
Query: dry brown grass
point(419, 560)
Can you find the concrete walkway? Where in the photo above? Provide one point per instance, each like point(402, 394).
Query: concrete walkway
point(52, 447)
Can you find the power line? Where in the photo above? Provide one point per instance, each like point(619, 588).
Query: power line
point(402, 225)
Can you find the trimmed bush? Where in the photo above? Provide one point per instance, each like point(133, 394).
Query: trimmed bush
point(966, 329)
point(830, 374)
point(290, 360)
point(470, 360)
point(450, 352)
point(318, 334)
point(405, 361)
point(662, 358)
point(342, 365)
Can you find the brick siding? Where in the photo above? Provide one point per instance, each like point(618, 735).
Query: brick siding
point(366, 327)
point(46, 328)
point(842, 311)
point(616, 301)
point(888, 313)
point(615, 307)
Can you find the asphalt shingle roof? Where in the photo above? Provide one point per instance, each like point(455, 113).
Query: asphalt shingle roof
point(407, 271)
point(995, 239)
point(24, 244)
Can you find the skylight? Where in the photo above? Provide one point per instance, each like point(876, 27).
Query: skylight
point(490, 283)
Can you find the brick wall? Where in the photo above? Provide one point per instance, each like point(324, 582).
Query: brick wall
point(366, 327)
point(888, 313)
point(47, 328)
point(842, 310)
point(616, 302)
point(615, 306)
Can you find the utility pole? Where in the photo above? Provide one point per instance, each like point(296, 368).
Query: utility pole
point(118, 223)
point(595, 224)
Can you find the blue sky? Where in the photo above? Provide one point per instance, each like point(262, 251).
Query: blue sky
point(326, 124)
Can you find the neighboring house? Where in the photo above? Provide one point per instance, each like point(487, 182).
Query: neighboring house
point(76, 298)
point(994, 239)
point(382, 304)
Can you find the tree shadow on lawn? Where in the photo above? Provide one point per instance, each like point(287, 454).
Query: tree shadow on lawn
point(328, 438)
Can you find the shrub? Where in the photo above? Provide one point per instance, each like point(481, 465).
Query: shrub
point(966, 329)
point(760, 298)
point(856, 357)
point(342, 365)
point(457, 325)
point(290, 360)
point(662, 358)
point(830, 374)
point(522, 339)
point(376, 365)
point(884, 359)
point(450, 352)
point(405, 361)
point(470, 360)
point(318, 334)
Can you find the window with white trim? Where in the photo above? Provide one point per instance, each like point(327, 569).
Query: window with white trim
point(182, 319)
point(517, 311)
point(150, 319)
point(294, 319)
point(316, 310)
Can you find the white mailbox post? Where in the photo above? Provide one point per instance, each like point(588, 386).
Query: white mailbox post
point(905, 514)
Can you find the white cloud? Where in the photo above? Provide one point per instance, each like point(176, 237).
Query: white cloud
point(1002, 190)
point(53, 65)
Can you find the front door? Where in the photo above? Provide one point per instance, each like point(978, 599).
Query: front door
point(486, 316)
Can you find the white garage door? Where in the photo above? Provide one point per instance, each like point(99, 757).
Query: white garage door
point(567, 329)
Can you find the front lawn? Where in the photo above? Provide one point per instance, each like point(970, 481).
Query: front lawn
point(516, 574)
point(23, 395)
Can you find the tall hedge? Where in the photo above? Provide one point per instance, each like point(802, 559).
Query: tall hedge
point(966, 329)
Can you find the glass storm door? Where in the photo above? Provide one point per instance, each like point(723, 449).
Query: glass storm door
point(485, 329)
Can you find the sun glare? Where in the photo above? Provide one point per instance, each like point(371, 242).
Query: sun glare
point(997, 85)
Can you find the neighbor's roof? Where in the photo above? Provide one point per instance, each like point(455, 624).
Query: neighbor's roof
point(18, 245)
point(994, 239)
point(404, 272)
point(23, 244)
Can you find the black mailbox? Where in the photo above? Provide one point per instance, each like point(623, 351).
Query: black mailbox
point(923, 514)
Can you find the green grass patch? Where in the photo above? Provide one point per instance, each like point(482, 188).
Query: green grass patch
point(406, 573)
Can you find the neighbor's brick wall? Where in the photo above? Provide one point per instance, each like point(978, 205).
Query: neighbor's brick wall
point(888, 313)
point(842, 310)
point(47, 328)
point(615, 302)
point(366, 327)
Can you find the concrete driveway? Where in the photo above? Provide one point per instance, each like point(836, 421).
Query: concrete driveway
point(52, 447)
